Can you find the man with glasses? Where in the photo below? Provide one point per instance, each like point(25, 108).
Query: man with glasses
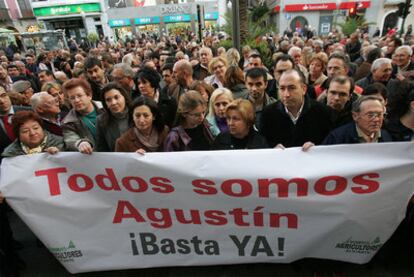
point(79, 125)
point(368, 115)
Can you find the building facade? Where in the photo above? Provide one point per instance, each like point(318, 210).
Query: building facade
point(77, 17)
point(161, 18)
point(16, 15)
point(322, 15)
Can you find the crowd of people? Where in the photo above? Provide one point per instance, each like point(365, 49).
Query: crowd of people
point(151, 94)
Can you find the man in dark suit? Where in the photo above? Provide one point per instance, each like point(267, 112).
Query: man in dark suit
point(295, 119)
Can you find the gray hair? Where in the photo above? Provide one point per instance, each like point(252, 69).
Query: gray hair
point(356, 106)
point(367, 49)
point(318, 43)
point(126, 69)
point(36, 99)
point(405, 48)
point(208, 49)
point(60, 75)
point(294, 49)
point(379, 62)
point(128, 58)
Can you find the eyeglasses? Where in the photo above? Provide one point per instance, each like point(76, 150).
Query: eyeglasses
point(373, 115)
point(74, 97)
point(117, 78)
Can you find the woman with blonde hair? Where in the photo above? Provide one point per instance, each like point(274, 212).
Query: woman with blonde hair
point(218, 67)
point(317, 66)
point(233, 57)
point(216, 116)
point(240, 117)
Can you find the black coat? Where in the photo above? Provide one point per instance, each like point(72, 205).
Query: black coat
point(199, 72)
point(168, 108)
point(225, 141)
point(347, 134)
point(313, 125)
point(397, 130)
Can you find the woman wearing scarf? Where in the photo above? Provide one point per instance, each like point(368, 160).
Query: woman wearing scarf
point(31, 137)
point(148, 130)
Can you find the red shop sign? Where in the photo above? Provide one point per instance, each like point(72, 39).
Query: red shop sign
point(310, 7)
point(276, 9)
point(360, 5)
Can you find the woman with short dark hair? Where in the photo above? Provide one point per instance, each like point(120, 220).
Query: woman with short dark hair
point(147, 132)
point(149, 86)
point(31, 137)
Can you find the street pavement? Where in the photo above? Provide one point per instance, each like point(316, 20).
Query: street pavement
point(40, 263)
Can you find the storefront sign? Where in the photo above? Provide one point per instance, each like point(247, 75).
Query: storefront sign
point(175, 9)
point(147, 20)
point(310, 7)
point(67, 9)
point(119, 22)
point(177, 18)
point(211, 16)
point(360, 5)
point(276, 9)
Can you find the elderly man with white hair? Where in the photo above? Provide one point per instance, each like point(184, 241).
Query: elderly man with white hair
point(200, 71)
point(47, 107)
point(402, 59)
point(296, 53)
point(381, 71)
point(61, 76)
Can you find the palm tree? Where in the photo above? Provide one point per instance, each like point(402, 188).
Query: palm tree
point(352, 24)
point(244, 26)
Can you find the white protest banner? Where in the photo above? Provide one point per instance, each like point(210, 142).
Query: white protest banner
point(112, 211)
